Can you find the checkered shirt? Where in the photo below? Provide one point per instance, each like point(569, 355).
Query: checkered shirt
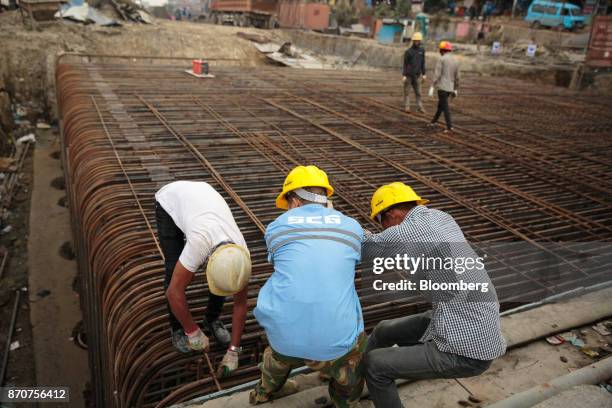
point(461, 323)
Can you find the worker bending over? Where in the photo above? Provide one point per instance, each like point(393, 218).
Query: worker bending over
point(446, 80)
point(414, 71)
point(309, 306)
point(461, 335)
point(196, 227)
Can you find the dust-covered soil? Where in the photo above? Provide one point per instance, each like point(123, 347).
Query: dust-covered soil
point(27, 66)
point(13, 240)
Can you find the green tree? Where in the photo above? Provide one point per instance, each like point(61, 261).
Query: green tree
point(404, 8)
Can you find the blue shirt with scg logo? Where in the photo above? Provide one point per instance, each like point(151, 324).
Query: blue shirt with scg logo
point(309, 306)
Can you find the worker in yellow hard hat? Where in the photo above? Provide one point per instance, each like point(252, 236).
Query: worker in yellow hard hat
point(414, 71)
point(386, 200)
point(196, 229)
point(309, 307)
point(461, 335)
point(446, 80)
point(305, 178)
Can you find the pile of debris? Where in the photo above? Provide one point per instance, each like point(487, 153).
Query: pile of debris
point(286, 54)
point(96, 14)
point(131, 12)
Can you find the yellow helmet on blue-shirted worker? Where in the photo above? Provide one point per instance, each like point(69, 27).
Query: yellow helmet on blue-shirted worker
point(303, 176)
point(418, 36)
point(392, 194)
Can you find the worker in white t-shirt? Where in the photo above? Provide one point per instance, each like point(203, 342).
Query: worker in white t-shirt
point(196, 227)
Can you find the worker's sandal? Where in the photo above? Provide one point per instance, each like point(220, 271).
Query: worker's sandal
point(218, 331)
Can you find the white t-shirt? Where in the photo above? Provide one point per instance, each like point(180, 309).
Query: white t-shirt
point(203, 216)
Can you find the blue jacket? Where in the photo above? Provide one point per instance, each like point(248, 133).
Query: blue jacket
point(309, 307)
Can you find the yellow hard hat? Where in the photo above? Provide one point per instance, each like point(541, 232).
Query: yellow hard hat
point(228, 270)
point(417, 36)
point(391, 194)
point(303, 176)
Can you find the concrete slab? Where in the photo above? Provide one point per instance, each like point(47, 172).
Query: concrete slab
point(590, 396)
point(59, 362)
point(520, 369)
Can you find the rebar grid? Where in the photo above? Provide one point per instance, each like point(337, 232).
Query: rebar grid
point(522, 165)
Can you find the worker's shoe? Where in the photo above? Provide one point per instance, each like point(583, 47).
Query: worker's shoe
point(179, 341)
point(258, 396)
point(218, 331)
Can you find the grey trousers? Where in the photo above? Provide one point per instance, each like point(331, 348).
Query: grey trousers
point(411, 360)
point(415, 84)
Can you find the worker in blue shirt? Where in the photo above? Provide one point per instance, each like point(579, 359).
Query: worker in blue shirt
point(309, 307)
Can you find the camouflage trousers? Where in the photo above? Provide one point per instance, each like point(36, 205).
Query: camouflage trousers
point(346, 374)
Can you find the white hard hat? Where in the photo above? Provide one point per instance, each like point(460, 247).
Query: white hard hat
point(228, 270)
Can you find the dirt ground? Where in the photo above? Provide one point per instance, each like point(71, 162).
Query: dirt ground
point(20, 369)
point(42, 268)
point(28, 56)
point(50, 249)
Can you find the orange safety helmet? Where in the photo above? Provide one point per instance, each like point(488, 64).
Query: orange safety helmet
point(446, 45)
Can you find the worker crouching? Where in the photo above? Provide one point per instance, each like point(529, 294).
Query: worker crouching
point(461, 334)
point(196, 227)
point(309, 307)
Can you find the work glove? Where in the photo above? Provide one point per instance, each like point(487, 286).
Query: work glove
point(228, 365)
point(404, 79)
point(197, 340)
point(424, 77)
point(455, 94)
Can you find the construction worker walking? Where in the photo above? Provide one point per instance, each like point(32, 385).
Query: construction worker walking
point(309, 306)
point(414, 71)
point(196, 227)
point(461, 335)
point(446, 80)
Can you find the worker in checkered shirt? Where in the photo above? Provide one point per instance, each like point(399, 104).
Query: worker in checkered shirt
point(461, 335)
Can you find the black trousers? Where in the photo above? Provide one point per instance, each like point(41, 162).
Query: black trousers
point(443, 107)
point(172, 242)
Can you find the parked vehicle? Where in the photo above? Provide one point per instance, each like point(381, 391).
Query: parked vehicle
point(243, 13)
point(8, 4)
point(565, 16)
